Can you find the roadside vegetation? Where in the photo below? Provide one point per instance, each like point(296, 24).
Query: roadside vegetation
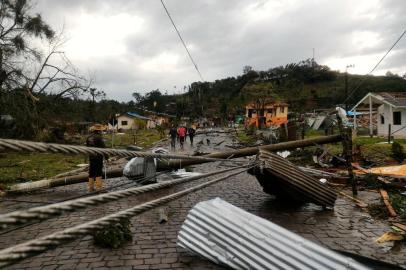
point(23, 167)
point(143, 138)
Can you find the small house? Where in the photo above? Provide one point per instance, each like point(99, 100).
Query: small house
point(389, 110)
point(266, 114)
point(131, 120)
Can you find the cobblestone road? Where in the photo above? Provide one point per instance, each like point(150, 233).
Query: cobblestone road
point(346, 227)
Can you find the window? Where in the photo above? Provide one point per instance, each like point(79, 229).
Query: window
point(382, 119)
point(124, 123)
point(397, 118)
point(249, 113)
point(282, 109)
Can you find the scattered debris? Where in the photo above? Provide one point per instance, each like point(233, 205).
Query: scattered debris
point(284, 154)
point(400, 226)
point(183, 173)
point(163, 215)
point(357, 201)
point(228, 235)
point(140, 167)
point(392, 171)
point(389, 236)
point(280, 177)
point(385, 198)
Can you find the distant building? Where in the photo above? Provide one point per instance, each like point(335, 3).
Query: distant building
point(266, 114)
point(131, 120)
point(389, 109)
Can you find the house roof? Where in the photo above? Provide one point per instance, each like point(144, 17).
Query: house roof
point(398, 99)
point(394, 99)
point(136, 115)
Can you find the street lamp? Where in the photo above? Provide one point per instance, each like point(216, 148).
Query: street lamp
point(346, 86)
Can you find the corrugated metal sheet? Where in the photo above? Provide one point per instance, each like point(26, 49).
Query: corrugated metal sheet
point(318, 122)
point(292, 179)
point(310, 121)
point(228, 235)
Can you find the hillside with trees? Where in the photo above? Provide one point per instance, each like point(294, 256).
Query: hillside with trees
point(305, 86)
point(41, 88)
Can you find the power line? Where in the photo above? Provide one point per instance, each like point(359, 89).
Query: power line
point(181, 39)
point(377, 64)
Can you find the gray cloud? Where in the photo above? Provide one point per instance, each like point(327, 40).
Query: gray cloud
point(223, 36)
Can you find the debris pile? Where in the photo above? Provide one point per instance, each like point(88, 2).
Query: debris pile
point(280, 177)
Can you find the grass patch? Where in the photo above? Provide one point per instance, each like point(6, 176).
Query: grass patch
point(143, 138)
point(311, 133)
point(22, 167)
point(368, 140)
point(244, 138)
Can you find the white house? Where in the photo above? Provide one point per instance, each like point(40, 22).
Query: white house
point(129, 121)
point(390, 110)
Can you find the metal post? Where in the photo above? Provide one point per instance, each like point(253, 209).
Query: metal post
point(370, 117)
point(112, 135)
point(389, 132)
point(390, 123)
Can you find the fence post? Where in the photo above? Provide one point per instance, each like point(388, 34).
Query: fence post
point(389, 133)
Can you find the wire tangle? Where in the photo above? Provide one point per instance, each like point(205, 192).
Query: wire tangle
point(28, 146)
point(33, 247)
point(51, 210)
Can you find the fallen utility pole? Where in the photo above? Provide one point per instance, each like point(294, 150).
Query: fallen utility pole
point(60, 181)
point(250, 151)
point(173, 164)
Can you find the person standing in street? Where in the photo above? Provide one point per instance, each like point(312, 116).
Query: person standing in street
point(173, 133)
point(191, 132)
point(182, 135)
point(95, 160)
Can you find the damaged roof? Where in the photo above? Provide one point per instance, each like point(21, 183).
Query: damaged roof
point(394, 99)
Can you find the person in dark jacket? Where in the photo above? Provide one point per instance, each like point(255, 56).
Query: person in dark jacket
point(173, 133)
point(191, 132)
point(95, 160)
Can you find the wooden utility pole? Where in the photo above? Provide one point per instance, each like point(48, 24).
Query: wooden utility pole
point(346, 134)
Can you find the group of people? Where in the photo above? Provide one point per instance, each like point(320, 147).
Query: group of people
point(179, 134)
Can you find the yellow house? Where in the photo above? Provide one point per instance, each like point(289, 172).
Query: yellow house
point(266, 113)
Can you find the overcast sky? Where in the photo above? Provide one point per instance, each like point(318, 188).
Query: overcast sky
point(130, 45)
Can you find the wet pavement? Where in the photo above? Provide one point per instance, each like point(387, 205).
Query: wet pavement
point(345, 227)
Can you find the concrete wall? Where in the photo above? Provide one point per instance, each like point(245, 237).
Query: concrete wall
point(383, 128)
point(130, 122)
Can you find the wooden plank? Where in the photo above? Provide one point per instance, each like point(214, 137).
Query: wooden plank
point(379, 178)
point(385, 198)
point(400, 226)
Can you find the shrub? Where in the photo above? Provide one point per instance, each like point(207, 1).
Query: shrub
point(114, 235)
